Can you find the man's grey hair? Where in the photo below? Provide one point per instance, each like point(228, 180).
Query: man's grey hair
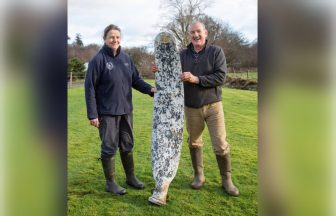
point(196, 22)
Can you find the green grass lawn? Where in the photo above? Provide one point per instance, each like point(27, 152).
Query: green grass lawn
point(86, 195)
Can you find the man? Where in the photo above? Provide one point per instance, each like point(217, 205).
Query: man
point(108, 91)
point(204, 70)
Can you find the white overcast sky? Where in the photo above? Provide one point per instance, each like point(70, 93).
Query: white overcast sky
point(139, 20)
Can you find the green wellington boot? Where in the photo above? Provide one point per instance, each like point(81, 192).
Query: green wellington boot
point(128, 164)
point(197, 162)
point(109, 172)
point(224, 164)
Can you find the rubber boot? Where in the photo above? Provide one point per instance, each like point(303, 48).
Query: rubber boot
point(197, 162)
point(160, 195)
point(224, 164)
point(128, 164)
point(109, 172)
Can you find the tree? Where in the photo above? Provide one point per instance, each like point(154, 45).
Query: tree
point(238, 52)
point(250, 57)
point(184, 12)
point(214, 27)
point(233, 44)
point(84, 53)
point(78, 40)
point(77, 68)
point(142, 60)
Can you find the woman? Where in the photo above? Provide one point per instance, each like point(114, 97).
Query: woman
point(108, 92)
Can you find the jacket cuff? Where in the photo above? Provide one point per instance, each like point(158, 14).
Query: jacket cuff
point(200, 79)
point(90, 117)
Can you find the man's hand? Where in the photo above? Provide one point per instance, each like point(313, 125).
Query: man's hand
point(154, 68)
point(94, 122)
point(189, 77)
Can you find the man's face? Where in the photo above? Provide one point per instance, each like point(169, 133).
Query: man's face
point(112, 39)
point(198, 35)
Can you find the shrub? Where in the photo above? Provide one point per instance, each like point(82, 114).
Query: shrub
point(77, 68)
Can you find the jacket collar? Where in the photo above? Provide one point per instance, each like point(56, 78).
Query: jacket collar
point(191, 47)
point(109, 51)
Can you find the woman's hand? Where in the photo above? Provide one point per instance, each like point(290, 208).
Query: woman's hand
point(154, 68)
point(153, 90)
point(95, 122)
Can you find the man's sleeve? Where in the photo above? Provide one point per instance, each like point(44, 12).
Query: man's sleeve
point(218, 76)
point(90, 89)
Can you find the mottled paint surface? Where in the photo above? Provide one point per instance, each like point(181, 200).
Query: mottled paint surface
point(168, 114)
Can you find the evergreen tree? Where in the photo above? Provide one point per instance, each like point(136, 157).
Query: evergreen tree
point(78, 40)
point(77, 68)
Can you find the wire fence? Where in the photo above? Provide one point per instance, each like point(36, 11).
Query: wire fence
point(75, 79)
point(243, 73)
point(249, 74)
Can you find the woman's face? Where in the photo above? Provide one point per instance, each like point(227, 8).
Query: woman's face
point(112, 39)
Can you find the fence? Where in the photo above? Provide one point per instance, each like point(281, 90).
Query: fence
point(75, 80)
point(250, 74)
point(243, 73)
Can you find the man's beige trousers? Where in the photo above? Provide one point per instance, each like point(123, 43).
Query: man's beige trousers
point(213, 116)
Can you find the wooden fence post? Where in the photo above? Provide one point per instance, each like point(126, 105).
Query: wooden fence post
point(70, 81)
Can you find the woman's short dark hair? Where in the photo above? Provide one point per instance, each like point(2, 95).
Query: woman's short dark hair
point(109, 28)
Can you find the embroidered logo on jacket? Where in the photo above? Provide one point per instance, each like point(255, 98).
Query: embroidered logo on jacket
point(109, 65)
